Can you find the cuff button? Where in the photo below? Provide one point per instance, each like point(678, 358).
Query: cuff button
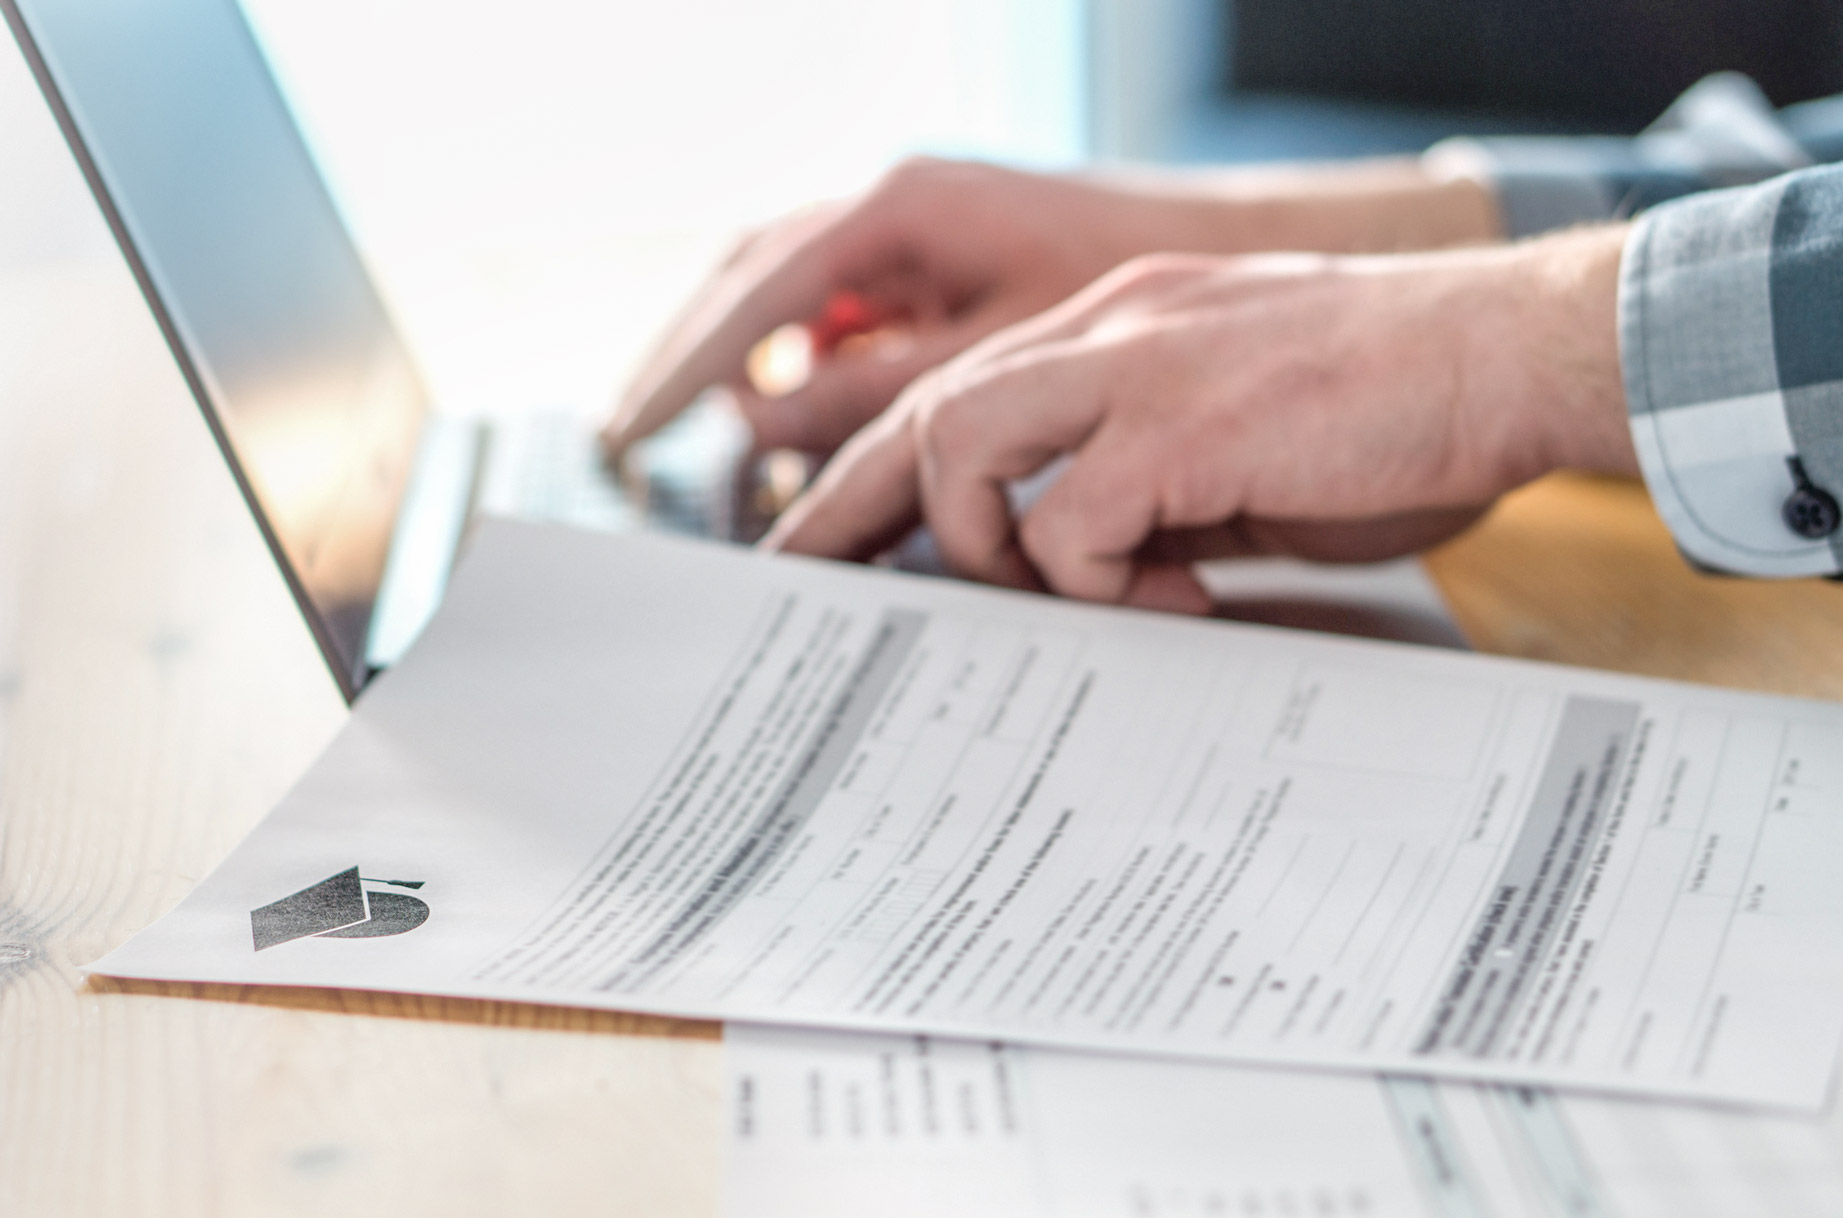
point(1810, 511)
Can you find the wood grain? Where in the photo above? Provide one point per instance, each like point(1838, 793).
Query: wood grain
point(157, 694)
point(1581, 571)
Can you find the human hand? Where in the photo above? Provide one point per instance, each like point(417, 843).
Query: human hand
point(1331, 408)
point(942, 254)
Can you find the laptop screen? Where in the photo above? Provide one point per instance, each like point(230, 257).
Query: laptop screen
point(219, 207)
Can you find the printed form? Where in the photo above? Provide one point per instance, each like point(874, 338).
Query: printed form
point(661, 776)
point(836, 1125)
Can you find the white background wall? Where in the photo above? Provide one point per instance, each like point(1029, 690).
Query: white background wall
point(537, 184)
point(45, 216)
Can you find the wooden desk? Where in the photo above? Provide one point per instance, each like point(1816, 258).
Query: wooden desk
point(1582, 571)
point(158, 693)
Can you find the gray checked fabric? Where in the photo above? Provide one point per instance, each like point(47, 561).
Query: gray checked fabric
point(1722, 132)
point(1731, 334)
point(1730, 310)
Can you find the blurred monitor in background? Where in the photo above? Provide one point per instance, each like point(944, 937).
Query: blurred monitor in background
point(1247, 80)
point(1608, 64)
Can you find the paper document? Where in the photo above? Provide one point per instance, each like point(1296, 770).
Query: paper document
point(666, 776)
point(837, 1125)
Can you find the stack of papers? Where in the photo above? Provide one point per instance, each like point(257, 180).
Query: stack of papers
point(660, 776)
point(833, 1123)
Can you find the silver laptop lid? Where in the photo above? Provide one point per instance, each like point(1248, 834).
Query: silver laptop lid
point(197, 164)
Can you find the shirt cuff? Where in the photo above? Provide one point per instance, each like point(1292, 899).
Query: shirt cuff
point(1731, 346)
point(1721, 132)
point(1541, 183)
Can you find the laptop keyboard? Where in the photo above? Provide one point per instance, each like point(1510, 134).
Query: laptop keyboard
point(548, 466)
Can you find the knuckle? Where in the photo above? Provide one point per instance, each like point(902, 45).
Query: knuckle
point(903, 199)
point(1037, 533)
point(919, 180)
point(911, 173)
point(1151, 272)
point(1186, 495)
point(948, 423)
point(1054, 537)
point(966, 552)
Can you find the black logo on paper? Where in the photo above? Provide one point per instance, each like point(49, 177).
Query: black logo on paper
point(339, 907)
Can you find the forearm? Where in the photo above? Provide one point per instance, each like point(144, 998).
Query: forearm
point(1380, 206)
point(1367, 206)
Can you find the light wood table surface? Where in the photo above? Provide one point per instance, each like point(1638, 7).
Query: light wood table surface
point(158, 693)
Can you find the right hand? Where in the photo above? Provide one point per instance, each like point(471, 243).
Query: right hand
point(1331, 408)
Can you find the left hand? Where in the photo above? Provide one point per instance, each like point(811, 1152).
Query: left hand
point(940, 254)
point(1331, 408)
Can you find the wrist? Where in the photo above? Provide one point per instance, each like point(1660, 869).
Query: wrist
point(1558, 322)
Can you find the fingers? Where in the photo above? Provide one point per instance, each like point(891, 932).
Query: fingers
point(772, 279)
point(1117, 524)
point(845, 392)
point(1196, 425)
point(1027, 395)
point(1370, 539)
point(956, 437)
point(979, 427)
point(1167, 588)
point(1086, 531)
point(864, 502)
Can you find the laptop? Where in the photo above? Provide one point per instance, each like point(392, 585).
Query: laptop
point(362, 489)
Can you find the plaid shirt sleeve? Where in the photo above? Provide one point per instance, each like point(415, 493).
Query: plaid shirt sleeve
point(1730, 310)
point(1731, 337)
point(1722, 132)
